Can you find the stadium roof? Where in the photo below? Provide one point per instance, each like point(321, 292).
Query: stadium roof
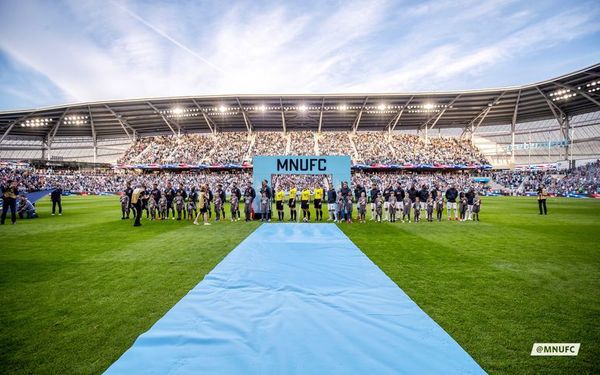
point(568, 95)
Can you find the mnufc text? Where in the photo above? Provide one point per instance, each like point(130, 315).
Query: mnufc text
point(293, 165)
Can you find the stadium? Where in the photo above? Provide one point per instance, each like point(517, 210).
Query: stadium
point(420, 232)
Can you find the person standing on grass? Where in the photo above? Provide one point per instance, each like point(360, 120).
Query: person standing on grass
point(362, 207)
point(202, 205)
point(470, 197)
point(136, 201)
point(279, 202)
point(9, 200)
point(476, 207)
point(223, 197)
point(542, 195)
point(267, 190)
point(56, 197)
point(249, 195)
point(439, 205)
point(318, 202)
point(451, 196)
point(305, 204)
point(373, 193)
point(331, 203)
point(170, 195)
point(129, 192)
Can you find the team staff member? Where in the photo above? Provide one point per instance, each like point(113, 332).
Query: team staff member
point(9, 201)
point(136, 201)
point(292, 204)
point(56, 197)
point(304, 204)
point(542, 194)
point(318, 202)
point(279, 202)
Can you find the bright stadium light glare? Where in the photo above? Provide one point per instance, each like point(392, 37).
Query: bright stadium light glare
point(343, 107)
point(302, 108)
point(428, 106)
point(222, 109)
point(177, 110)
point(381, 107)
point(262, 108)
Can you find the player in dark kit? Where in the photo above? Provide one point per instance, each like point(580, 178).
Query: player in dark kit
point(170, 195)
point(181, 191)
point(249, 195)
point(223, 199)
point(451, 196)
point(373, 193)
point(331, 203)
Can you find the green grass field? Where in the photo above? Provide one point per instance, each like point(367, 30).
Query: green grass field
point(77, 290)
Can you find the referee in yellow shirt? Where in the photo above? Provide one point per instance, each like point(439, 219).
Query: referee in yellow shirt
point(292, 204)
point(279, 202)
point(318, 202)
point(304, 204)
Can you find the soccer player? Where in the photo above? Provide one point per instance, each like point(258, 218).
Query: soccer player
point(331, 203)
point(423, 195)
point(292, 204)
point(56, 197)
point(399, 198)
point(267, 190)
point(451, 196)
point(386, 205)
point(279, 202)
point(210, 198)
point(136, 201)
point(470, 197)
point(417, 209)
point(170, 196)
point(439, 205)
point(373, 193)
point(318, 202)
point(305, 204)
point(429, 208)
point(362, 207)
point(476, 206)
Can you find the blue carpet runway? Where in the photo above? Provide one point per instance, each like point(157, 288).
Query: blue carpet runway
point(295, 299)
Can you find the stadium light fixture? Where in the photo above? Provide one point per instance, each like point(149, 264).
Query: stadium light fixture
point(262, 108)
point(178, 110)
point(343, 107)
point(429, 106)
point(302, 108)
point(222, 109)
point(381, 107)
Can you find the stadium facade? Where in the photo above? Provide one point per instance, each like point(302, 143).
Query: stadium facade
point(557, 120)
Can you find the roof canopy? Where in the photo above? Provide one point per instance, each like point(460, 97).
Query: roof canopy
point(571, 94)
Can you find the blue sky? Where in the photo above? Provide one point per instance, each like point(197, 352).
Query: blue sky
point(56, 52)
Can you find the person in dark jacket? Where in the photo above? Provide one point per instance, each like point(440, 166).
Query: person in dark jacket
point(470, 195)
point(373, 193)
point(451, 196)
point(9, 200)
point(269, 196)
point(412, 193)
point(331, 203)
point(129, 192)
point(56, 197)
point(423, 195)
point(223, 199)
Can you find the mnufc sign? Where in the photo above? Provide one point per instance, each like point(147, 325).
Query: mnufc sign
point(302, 165)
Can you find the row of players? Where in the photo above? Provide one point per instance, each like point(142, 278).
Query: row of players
point(390, 204)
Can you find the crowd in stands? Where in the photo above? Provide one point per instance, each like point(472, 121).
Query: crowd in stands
point(334, 143)
point(374, 148)
point(302, 143)
point(269, 143)
point(363, 147)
